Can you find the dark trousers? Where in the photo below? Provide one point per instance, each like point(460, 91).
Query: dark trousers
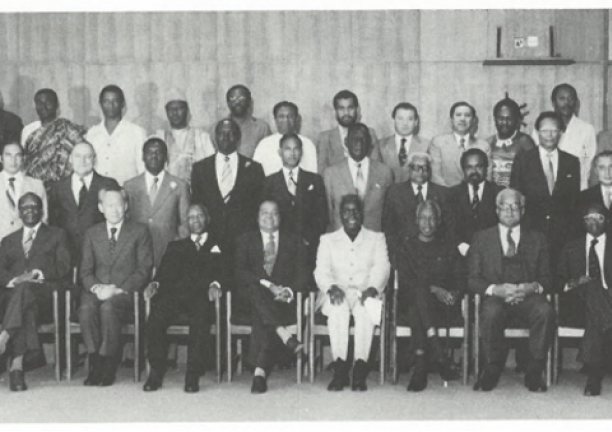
point(534, 313)
point(267, 315)
point(22, 308)
point(101, 322)
point(165, 311)
point(598, 328)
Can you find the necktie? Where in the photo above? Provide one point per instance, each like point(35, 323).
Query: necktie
point(403, 156)
point(291, 184)
point(606, 197)
point(197, 242)
point(419, 195)
point(10, 192)
point(27, 244)
point(594, 268)
point(475, 201)
point(360, 182)
point(82, 194)
point(511, 251)
point(226, 180)
point(269, 255)
point(462, 144)
point(113, 240)
point(153, 190)
point(550, 174)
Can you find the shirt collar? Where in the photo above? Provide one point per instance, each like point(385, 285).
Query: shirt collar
point(76, 180)
point(231, 156)
point(415, 188)
point(34, 229)
point(149, 177)
point(266, 236)
point(544, 153)
point(504, 230)
point(364, 162)
point(458, 138)
point(398, 139)
point(295, 171)
point(109, 226)
point(203, 238)
point(601, 239)
point(18, 176)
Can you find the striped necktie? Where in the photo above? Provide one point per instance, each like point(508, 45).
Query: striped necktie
point(360, 185)
point(226, 180)
point(269, 255)
point(153, 190)
point(291, 184)
point(27, 244)
point(11, 192)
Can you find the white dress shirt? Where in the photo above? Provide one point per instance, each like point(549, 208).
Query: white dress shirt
point(600, 249)
point(481, 186)
point(544, 159)
point(266, 153)
point(606, 191)
point(398, 143)
point(18, 183)
point(118, 155)
point(149, 179)
point(365, 167)
point(295, 172)
point(203, 238)
point(579, 139)
point(415, 189)
point(220, 164)
point(108, 229)
point(77, 183)
point(465, 138)
point(27, 231)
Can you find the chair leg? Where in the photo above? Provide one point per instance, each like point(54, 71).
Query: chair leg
point(56, 334)
point(477, 339)
point(311, 339)
point(239, 354)
point(228, 338)
point(299, 336)
point(218, 339)
point(549, 366)
point(68, 340)
point(383, 357)
point(136, 338)
point(556, 358)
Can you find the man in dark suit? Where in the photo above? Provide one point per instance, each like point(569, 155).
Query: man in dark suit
point(601, 192)
point(509, 269)
point(34, 261)
point(585, 277)
point(399, 212)
point(73, 201)
point(117, 261)
point(271, 267)
point(331, 144)
point(230, 187)
point(473, 199)
point(359, 174)
point(187, 281)
point(550, 180)
point(158, 199)
point(10, 125)
point(300, 196)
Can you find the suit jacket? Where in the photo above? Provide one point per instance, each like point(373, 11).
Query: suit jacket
point(167, 217)
point(339, 182)
point(390, 156)
point(49, 253)
point(185, 271)
point(10, 127)
point(485, 259)
point(590, 196)
point(239, 214)
point(486, 215)
point(9, 216)
point(287, 271)
point(446, 154)
point(331, 149)
point(304, 214)
point(551, 214)
point(65, 213)
point(128, 268)
point(399, 214)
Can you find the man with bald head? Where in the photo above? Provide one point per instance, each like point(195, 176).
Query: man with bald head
point(73, 200)
point(186, 144)
point(252, 130)
point(509, 269)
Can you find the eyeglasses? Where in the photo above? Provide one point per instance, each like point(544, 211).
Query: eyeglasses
point(509, 207)
point(549, 131)
point(421, 168)
point(594, 217)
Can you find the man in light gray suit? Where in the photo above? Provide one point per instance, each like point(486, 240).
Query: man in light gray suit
point(117, 261)
point(13, 184)
point(158, 199)
point(359, 174)
point(331, 144)
point(395, 149)
point(446, 150)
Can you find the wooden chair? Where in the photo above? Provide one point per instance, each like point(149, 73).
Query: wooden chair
point(242, 329)
point(510, 333)
point(318, 328)
point(455, 332)
point(567, 332)
point(183, 330)
point(54, 329)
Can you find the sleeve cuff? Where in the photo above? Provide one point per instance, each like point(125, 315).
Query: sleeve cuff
point(265, 283)
point(489, 291)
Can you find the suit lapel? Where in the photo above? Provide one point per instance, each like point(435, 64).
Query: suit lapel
point(122, 240)
point(40, 239)
point(280, 252)
point(538, 170)
point(163, 193)
point(607, 263)
point(390, 156)
point(372, 179)
point(345, 176)
point(213, 179)
point(66, 190)
point(498, 252)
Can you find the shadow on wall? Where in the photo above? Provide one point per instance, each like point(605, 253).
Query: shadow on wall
point(147, 105)
point(82, 107)
point(22, 95)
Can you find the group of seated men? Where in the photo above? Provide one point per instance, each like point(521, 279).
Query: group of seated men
point(495, 218)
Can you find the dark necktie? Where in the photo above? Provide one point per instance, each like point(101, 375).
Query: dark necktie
point(419, 195)
point(475, 201)
point(511, 251)
point(10, 193)
point(403, 156)
point(82, 194)
point(594, 268)
point(113, 240)
point(462, 144)
point(197, 242)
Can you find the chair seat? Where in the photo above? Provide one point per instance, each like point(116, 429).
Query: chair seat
point(46, 328)
point(454, 332)
point(570, 332)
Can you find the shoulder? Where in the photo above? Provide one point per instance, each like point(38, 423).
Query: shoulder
point(437, 189)
point(104, 181)
point(14, 236)
point(130, 184)
point(96, 230)
point(441, 140)
point(306, 142)
point(133, 127)
point(326, 134)
point(380, 167)
point(524, 141)
point(456, 190)
point(205, 163)
point(176, 183)
point(249, 163)
point(485, 235)
point(373, 236)
point(568, 157)
point(535, 236)
point(260, 123)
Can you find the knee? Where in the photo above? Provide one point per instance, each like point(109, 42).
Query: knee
point(543, 311)
point(492, 310)
point(107, 309)
point(338, 311)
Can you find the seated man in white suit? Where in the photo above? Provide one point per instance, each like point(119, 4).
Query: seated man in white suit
point(13, 184)
point(352, 266)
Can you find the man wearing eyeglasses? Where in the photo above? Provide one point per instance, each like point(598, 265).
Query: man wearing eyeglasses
point(585, 277)
point(550, 180)
point(509, 268)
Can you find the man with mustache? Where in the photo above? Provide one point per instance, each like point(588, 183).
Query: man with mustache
point(332, 144)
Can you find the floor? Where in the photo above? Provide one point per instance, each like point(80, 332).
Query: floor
point(69, 402)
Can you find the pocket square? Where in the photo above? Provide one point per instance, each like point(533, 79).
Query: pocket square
point(311, 187)
point(377, 186)
point(215, 249)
